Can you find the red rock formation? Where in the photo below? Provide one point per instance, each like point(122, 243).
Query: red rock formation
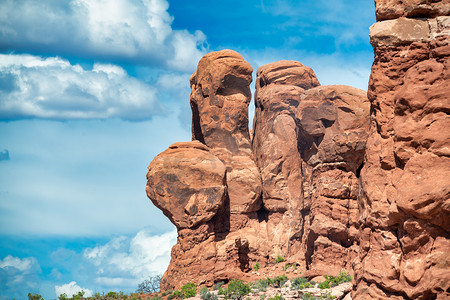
point(299, 189)
point(298, 200)
point(393, 9)
point(219, 100)
point(333, 128)
point(405, 185)
point(211, 188)
point(279, 87)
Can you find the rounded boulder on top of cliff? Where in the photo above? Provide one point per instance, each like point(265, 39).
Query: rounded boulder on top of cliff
point(187, 183)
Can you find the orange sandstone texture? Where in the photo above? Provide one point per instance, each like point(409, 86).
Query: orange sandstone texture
point(404, 203)
point(288, 190)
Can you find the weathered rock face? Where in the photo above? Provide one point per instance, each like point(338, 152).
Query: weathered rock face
point(279, 87)
point(291, 192)
point(333, 129)
point(393, 9)
point(405, 189)
point(219, 100)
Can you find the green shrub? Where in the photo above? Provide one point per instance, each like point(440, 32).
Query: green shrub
point(300, 283)
point(217, 285)
point(256, 267)
point(34, 297)
point(324, 285)
point(170, 297)
point(62, 296)
point(277, 297)
point(331, 281)
point(279, 259)
point(307, 296)
point(189, 290)
point(136, 296)
point(279, 281)
point(113, 295)
point(236, 289)
point(175, 294)
point(78, 296)
point(165, 293)
point(262, 297)
point(261, 285)
point(205, 294)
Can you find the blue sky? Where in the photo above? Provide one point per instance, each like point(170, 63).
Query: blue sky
point(92, 90)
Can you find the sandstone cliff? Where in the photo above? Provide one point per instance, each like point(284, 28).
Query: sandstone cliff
point(331, 178)
point(405, 183)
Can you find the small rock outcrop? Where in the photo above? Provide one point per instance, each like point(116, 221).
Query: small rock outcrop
point(393, 9)
point(288, 190)
point(404, 204)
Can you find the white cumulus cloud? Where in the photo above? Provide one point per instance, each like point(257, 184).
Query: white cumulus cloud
point(24, 265)
point(53, 88)
point(123, 30)
point(126, 262)
point(71, 289)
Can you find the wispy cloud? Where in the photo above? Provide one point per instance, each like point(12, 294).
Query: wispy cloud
point(322, 18)
point(122, 30)
point(53, 88)
point(17, 276)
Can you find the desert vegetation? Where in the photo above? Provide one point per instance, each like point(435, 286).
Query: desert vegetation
point(276, 288)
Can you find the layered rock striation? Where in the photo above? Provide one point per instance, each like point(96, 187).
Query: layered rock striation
point(288, 190)
point(404, 204)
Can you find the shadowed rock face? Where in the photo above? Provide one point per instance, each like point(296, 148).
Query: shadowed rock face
point(290, 192)
point(404, 203)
